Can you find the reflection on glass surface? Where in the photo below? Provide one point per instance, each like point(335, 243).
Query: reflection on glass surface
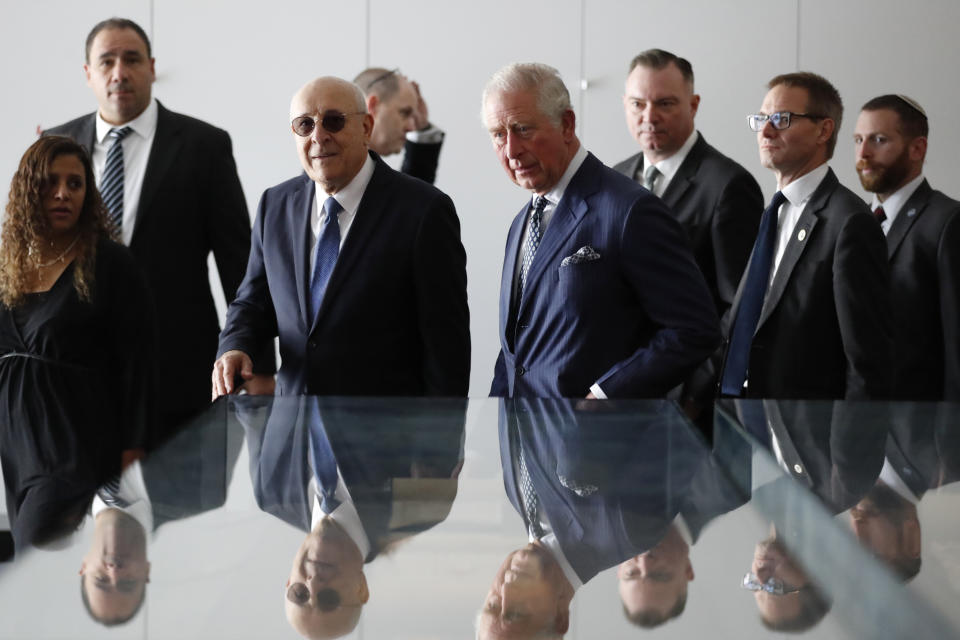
point(360, 477)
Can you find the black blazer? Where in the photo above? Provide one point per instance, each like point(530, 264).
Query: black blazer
point(191, 203)
point(924, 249)
point(394, 318)
point(825, 329)
point(718, 203)
point(420, 160)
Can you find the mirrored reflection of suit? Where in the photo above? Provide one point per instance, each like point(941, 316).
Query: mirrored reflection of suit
point(191, 203)
point(609, 478)
point(636, 319)
point(398, 459)
point(825, 328)
point(923, 245)
point(718, 203)
point(394, 319)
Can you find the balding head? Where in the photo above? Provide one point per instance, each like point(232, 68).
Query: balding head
point(332, 158)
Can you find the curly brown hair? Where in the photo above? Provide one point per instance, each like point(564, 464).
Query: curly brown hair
point(25, 228)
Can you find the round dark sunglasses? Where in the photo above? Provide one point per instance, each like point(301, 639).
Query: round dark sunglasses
point(331, 121)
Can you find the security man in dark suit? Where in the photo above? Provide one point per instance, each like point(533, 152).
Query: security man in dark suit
point(171, 185)
point(716, 201)
point(923, 244)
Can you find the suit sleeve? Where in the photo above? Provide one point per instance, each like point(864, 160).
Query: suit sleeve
point(861, 290)
point(440, 265)
point(948, 267)
point(251, 320)
point(228, 228)
point(659, 267)
point(420, 160)
point(736, 221)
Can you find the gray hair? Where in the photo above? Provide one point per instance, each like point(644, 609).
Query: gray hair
point(553, 99)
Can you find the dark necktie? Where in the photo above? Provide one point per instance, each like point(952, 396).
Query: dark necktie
point(328, 248)
point(879, 214)
point(532, 242)
point(111, 182)
point(751, 301)
point(323, 460)
point(110, 494)
point(528, 497)
point(650, 175)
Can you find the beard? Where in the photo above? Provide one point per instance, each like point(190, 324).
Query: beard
point(885, 179)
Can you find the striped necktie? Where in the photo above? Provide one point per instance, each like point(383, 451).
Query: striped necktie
point(111, 183)
point(328, 249)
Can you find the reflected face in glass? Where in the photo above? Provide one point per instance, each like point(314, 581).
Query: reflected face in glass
point(533, 150)
point(882, 153)
point(120, 73)
point(887, 525)
point(114, 572)
point(326, 589)
point(393, 118)
point(332, 159)
point(660, 106)
point(771, 560)
point(529, 595)
point(654, 583)
point(64, 194)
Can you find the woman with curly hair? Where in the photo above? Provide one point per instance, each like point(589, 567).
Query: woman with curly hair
point(76, 325)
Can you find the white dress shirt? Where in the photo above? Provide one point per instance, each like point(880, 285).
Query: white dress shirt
point(797, 193)
point(136, 152)
point(344, 515)
point(669, 167)
point(133, 490)
point(349, 198)
point(894, 203)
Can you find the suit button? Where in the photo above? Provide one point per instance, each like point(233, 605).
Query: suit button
point(312, 344)
point(521, 371)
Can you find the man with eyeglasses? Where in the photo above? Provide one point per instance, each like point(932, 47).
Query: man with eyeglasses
point(401, 121)
point(922, 228)
point(171, 187)
point(358, 268)
point(811, 318)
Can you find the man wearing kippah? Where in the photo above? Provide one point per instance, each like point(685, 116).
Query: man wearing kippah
point(922, 227)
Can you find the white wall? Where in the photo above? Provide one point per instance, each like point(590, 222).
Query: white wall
point(237, 64)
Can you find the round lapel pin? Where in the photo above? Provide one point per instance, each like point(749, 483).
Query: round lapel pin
point(802, 235)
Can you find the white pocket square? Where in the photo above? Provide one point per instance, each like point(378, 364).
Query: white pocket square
point(583, 254)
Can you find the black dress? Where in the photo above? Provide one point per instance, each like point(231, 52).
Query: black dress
point(76, 378)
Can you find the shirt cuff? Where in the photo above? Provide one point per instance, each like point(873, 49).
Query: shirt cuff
point(430, 135)
point(597, 391)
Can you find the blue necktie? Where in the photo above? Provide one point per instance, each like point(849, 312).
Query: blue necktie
point(328, 248)
point(532, 242)
point(751, 301)
point(323, 460)
point(111, 182)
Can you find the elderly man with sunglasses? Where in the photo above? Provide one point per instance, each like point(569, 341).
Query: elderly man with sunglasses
point(357, 268)
point(811, 317)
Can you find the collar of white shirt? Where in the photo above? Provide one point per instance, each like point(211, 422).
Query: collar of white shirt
point(349, 198)
point(345, 515)
point(669, 167)
point(800, 190)
point(133, 489)
point(893, 204)
point(143, 125)
point(556, 194)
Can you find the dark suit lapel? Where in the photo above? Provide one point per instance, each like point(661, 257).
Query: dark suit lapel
point(163, 154)
point(301, 205)
point(86, 134)
point(570, 210)
point(799, 239)
point(911, 210)
point(686, 174)
point(507, 279)
point(365, 222)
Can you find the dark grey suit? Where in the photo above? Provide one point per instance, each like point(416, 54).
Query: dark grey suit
point(825, 329)
point(923, 245)
point(718, 204)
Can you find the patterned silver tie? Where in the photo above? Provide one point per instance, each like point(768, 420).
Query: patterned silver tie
point(111, 183)
point(531, 504)
point(650, 175)
point(532, 242)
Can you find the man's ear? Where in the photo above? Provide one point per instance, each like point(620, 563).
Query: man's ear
point(373, 103)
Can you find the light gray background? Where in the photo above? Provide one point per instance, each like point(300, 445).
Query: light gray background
point(236, 65)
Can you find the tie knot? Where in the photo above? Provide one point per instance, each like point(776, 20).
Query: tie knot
point(539, 204)
point(650, 175)
point(880, 214)
point(332, 207)
point(778, 199)
point(119, 133)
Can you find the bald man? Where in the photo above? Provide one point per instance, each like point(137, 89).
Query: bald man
point(357, 268)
